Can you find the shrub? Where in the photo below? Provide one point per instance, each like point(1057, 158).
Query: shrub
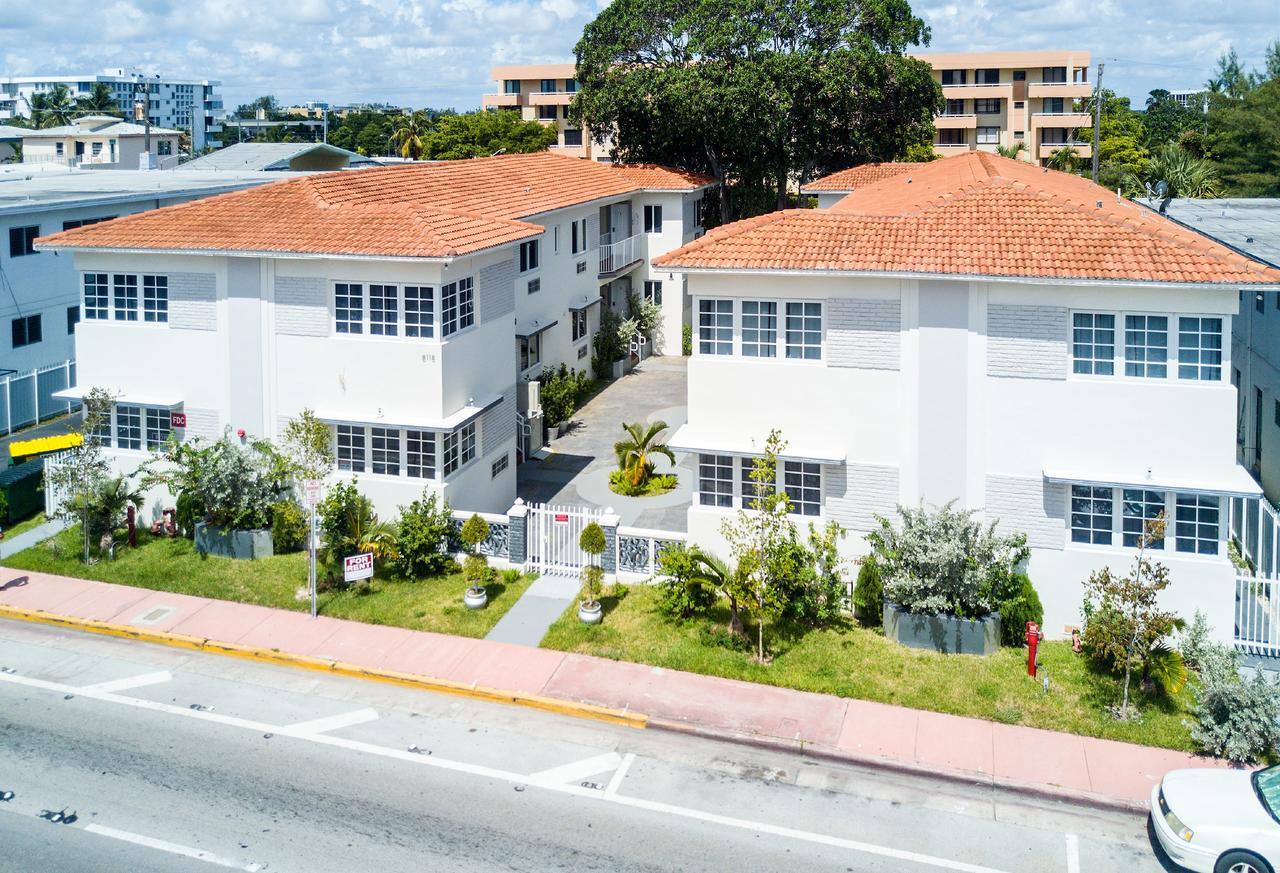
point(682, 591)
point(1237, 719)
point(715, 635)
point(661, 483)
point(1018, 603)
point(1194, 641)
point(187, 513)
point(231, 486)
point(608, 344)
point(943, 560)
point(868, 594)
point(686, 340)
point(288, 526)
point(108, 502)
point(423, 538)
point(561, 392)
point(817, 594)
point(475, 567)
point(4, 508)
point(592, 541)
point(351, 527)
point(647, 316)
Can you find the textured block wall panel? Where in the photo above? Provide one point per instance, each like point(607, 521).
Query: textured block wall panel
point(1031, 505)
point(864, 333)
point(1027, 342)
point(193, 301)
point(302, 306)
point(856, 493)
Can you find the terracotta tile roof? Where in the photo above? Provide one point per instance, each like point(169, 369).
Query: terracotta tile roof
point(856, 177)
point(654, 177)
point(976, 215)
point(427, 210)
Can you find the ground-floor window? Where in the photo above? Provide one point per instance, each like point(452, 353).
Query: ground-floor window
point(420, 454)
point(715, 480)
point(158, 427)
point(1193, 520)
point(350, 448)
point(128, 427)
point(728, 481)
point(1196, 524)
point(385, 443)
point(389, 451)
point(1091, 513)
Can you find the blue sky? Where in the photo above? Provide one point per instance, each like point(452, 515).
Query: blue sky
point(438, 52)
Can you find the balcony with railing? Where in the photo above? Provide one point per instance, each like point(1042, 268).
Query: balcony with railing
point(550, 98)
point(955, 121)
point(980, 91)
point(617, 258)
point(492, 100)
point(1059, 89)
point(1082, 149)
point(947, 149)
point(1061, 119)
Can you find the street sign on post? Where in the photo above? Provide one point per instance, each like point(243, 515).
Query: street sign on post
point(311, 489)
point(357, 567)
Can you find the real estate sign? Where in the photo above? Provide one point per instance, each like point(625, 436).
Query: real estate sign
point(357, 567)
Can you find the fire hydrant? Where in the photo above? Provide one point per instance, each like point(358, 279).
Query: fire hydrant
point(1034, 636)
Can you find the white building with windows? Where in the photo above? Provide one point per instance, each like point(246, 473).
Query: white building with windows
point(982, 331)
point(404, 305)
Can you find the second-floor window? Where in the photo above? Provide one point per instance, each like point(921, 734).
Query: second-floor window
point(578, 236)
point(383, 310)
point(950, 136)
point(96, 296)
point(530, 348)
point(124, 297)
point(653, 291)
point(571, 86)
point(653, 218)
point(547, 113)
point(26, 331)
point(572, 136)
point(1093, 343)
point(1146, 346)
point(457, 306)
point(953, 77)
point(987, 107)
point(1200, 348)
point(1054, 75)
point(510, 86)
point(1052, 105)
point(804, 331)
point(759, 329)
point(953, 107)
point(348, 307)
point(715, 327)
point(22, 240)
point(547, 86)
point(986, 77)
point(578, 324)
point(155, 299)
point(529, 255)
point(419, 311)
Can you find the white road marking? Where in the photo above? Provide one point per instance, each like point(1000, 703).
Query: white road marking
point(618, 775)
point(1073, 853)
point(130, 682)
point(172, 848)
point(577, 770)
point(333, 722)
point(510, 777)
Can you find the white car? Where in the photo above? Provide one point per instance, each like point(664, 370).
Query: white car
point(1219, 821)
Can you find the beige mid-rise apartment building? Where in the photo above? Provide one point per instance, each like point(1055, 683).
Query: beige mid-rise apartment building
point(992, 99)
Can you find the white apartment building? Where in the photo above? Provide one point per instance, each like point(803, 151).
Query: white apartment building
point(940, 336)
point(402, 304)
point(40, 290)
point(102, 142)
point(194, 105)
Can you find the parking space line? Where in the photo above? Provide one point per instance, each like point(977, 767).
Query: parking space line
point(332, 722)
point(576, 770)
point(618, 775)
point(1073, 853)
point(130, 682)
point(172, 848)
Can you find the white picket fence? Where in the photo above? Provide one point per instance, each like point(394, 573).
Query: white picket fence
point(551, 538)
point(1255, 528)
point(27, 398)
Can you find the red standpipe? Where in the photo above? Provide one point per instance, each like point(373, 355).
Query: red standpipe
point(1034, 635)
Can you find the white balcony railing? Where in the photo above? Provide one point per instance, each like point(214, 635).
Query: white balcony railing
point(616, 256)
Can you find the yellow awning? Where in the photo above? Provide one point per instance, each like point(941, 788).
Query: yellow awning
point(42, 445)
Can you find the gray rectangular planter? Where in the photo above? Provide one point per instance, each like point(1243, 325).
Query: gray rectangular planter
point(244, 545)
point(942, 633)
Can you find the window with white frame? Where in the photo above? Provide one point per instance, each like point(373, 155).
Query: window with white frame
point(157, 427)
point(578, 324)
point(419, 311)
point(653, 218)
point(1146, 346)
point(96, 296)
point(459, 448)
point(348, 307)
point(530, 348)
point(988, 135)
point(384, 450)
point(155, 299)
point(499, 465)
point(125, 296)
point(384, 315)
point(653, 291)
point(715, 327)
point(1093, 343)
point(759, 329)
point(803, 485)
point(420, 454)
point(529, 255)
point(715, 480)
point(101, 433)
point(1196, 524)
point(1200, 348)
point(457, 306)
point(1092, 510)
point(1140, 507)
point(533, 286)
point(351, 445)
point(804, 331)
point(128, 427)
point(578, 234)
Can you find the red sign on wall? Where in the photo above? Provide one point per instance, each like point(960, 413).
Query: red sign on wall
point(177, 419)
point(562, 518)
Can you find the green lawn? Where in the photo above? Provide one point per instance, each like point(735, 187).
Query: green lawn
point(174, 565)
point(26, 524)
point(854, 662)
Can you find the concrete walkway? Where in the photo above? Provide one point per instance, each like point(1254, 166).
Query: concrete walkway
point(13, 545)
point(527, 622)
point(1065, 766)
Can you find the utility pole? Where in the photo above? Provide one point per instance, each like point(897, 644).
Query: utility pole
point(325, 114)
point(144, 87)
point(1097, 120)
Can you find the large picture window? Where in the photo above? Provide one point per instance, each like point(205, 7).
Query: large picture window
point(759, 329)
point(1092, 510)
point(1200, 348)
point(1146, 346)
point(348, 307)
point(715, 327)
point(715, 480)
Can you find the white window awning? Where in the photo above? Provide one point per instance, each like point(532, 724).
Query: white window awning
point(734, 441)
point(533, 328)
point(410, 420)
point(157, 400)
point(586, 304)
point(1224, 480)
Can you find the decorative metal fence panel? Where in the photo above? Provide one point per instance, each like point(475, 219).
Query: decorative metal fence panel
point(640, 550)
point(498, 543)
point(27, 398)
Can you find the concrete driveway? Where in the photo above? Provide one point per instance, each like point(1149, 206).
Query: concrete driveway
point(577, 471)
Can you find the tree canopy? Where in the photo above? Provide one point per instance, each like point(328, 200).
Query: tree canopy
point(480, 134)
point(755, 93)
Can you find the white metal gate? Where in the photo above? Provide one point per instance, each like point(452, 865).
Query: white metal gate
point(551, 539)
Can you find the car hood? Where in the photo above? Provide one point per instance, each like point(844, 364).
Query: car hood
point(1222, 800)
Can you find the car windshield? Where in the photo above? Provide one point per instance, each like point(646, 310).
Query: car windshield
point(1266, 784)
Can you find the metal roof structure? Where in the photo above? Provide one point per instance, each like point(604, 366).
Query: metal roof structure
point(277, 156)
point(1250, 225)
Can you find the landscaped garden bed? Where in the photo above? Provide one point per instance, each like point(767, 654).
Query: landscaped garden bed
point(173, 564)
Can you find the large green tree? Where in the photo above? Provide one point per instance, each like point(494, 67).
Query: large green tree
point(1166, 120)
point(1244, 141)
point(480, 134)
point(99, 101)
point(758, 94)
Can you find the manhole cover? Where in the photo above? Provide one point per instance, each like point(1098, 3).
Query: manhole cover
point(154, 615)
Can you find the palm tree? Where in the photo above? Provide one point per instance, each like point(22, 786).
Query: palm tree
point(107, 501)
point(409, 134)
point(1183, 173)
point(99, 101)
point(1011, 151)
point(58, 107)
point(635, 452)
point(1064, 159)
point(717, 573)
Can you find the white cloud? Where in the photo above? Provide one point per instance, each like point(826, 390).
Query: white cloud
point(438, 52)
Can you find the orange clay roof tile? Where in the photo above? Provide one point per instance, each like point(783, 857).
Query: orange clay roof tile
point(979, 215)
point(426, 210)
point(856, 177)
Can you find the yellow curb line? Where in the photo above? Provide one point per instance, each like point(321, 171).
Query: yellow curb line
point(605, 714)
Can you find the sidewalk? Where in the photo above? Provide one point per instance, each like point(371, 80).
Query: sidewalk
point(1065, 766)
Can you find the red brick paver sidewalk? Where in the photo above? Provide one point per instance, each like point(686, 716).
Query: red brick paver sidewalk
point(1057, 764)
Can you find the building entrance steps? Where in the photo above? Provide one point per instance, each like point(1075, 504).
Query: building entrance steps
point(1063, 766)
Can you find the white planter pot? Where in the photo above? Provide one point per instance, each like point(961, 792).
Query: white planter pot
point(475, 598)
point(590, 613)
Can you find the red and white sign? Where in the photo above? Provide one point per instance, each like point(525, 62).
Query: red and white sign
point(177, 419)
point(562, 518)
point(358, 567)
point(311, 488)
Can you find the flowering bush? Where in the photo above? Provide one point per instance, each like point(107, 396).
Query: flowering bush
point(225, 484)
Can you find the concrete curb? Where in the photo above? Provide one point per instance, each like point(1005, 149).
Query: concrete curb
point(274, 656)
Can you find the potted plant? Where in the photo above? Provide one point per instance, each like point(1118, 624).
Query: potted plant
point(592, 542)
point(475, 568)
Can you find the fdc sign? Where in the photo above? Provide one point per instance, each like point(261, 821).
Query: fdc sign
point(357, 567)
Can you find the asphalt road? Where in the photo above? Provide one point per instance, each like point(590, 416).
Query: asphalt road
point(180, 761)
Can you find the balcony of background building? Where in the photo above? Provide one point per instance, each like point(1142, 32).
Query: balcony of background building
point(550, 98)
point(1046, 150)
point(955, 121)
point(1061, 119)
point(1059, 89)
point(946, 150)
point(492, 100)
point(999, 90)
